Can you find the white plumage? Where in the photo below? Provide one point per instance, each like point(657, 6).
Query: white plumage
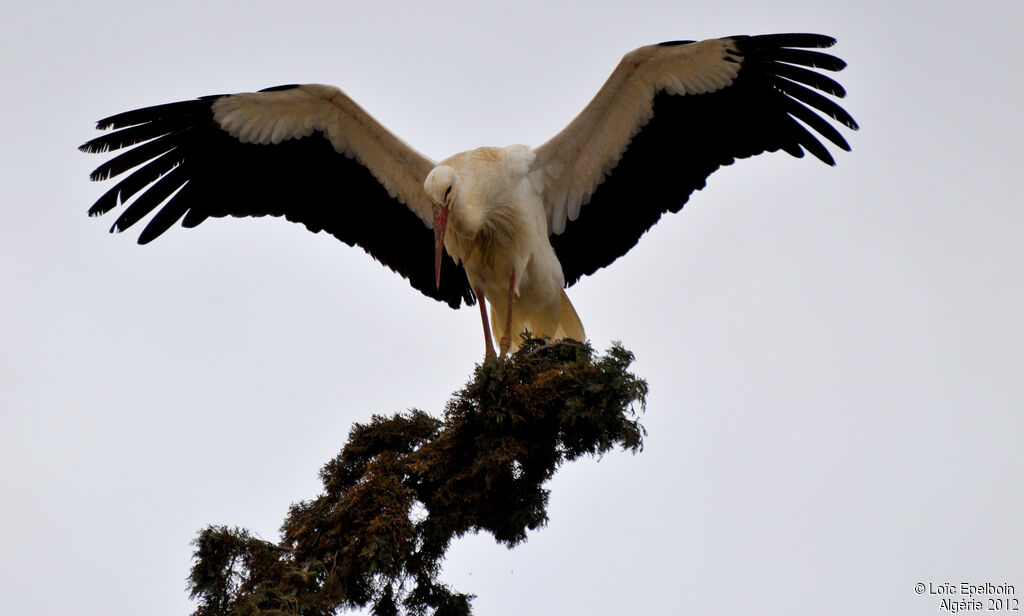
point(498, 231)
point(521, 222)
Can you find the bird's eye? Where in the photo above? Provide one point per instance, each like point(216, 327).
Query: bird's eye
point(448, 190)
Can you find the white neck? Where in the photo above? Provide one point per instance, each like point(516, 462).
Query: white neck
point(467, 219)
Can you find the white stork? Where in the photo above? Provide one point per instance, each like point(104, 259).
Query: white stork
point(522, 222)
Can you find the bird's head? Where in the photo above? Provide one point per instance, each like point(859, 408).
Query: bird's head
point(442, 187)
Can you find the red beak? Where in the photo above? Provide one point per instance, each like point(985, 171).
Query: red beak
point(440, 224)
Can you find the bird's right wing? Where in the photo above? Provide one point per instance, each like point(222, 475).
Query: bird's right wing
point(308, 153)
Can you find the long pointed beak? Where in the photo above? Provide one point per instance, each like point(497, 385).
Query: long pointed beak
point(440, 224)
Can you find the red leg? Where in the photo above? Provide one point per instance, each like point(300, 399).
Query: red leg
point(487, 326)
point(506, 338)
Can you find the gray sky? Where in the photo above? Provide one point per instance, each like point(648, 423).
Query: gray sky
point(834, 354)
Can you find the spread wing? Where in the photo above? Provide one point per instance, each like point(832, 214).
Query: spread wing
point(669, 116)
point(307, 153)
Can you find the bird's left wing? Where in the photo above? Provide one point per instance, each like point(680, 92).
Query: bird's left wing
point(308, 153)
point(668, 116)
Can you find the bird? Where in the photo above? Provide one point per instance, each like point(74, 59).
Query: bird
point(510, 226)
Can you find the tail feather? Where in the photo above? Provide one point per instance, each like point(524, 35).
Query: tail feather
point(569, 324)
point(565, 324)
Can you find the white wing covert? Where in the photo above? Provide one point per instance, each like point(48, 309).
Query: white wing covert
point(270, 117)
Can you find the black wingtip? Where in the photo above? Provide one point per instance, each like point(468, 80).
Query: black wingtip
point(91, 147)
point(145, 238)
point(794, 39)
point(104, 204)
point(290, 86)
point(116, 121)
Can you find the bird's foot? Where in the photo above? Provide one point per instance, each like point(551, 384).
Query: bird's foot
point(505, 344)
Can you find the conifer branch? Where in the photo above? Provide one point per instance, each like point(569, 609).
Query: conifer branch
point(403, 487)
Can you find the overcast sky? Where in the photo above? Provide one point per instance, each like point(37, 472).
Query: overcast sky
point(834, 354)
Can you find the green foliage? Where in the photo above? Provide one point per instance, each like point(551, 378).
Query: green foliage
point(405, 486)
